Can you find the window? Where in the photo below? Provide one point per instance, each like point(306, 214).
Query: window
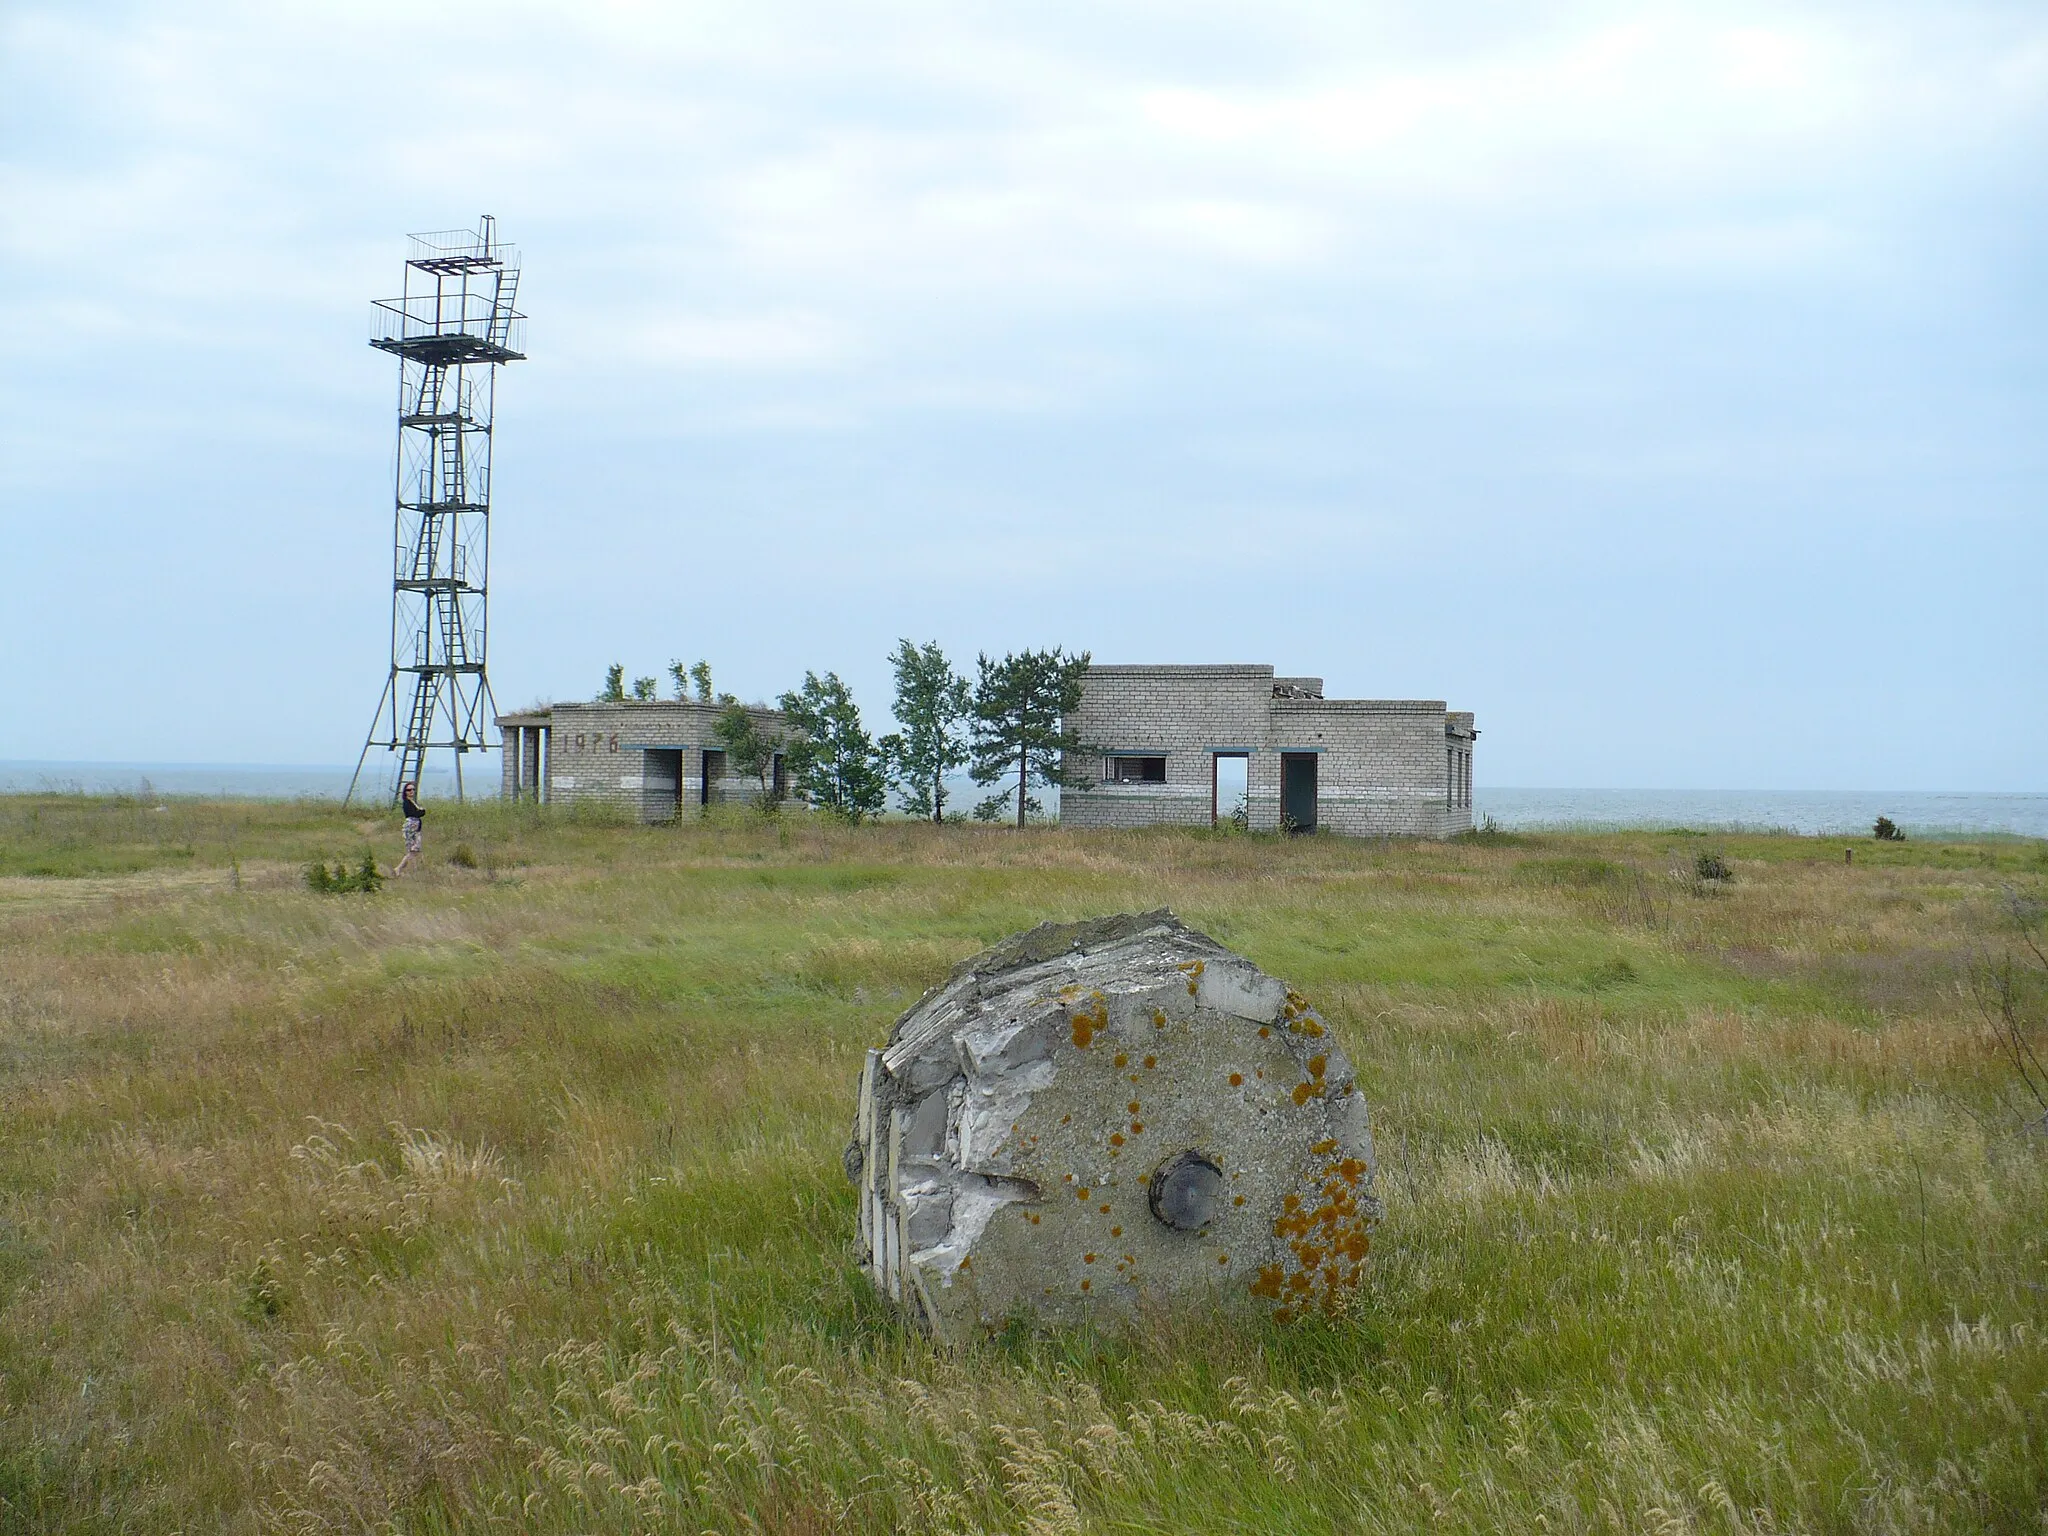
point(1134, 770)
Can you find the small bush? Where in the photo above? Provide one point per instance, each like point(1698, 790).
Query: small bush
point(462, 856)
point(1887, 831)
point(341, 879)
point(1711, 866)
point(1612, 973)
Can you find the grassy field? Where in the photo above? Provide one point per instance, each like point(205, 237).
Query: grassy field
point(509, 1197)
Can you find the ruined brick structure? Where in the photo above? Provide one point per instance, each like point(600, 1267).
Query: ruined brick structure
point(1360, 767)
point(651, 759)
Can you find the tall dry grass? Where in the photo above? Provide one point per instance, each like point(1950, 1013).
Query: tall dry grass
point(509, 1197)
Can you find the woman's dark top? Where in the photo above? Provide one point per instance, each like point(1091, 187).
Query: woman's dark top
point(412, 809)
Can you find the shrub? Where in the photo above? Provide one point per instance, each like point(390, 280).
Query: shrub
point(462, 856)
point(341, 879)
point(1887, 831)
point(1616, 972)
point(1711, 866)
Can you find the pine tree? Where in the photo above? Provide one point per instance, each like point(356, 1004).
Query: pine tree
point(932, 704)
point(1020, 705)
point(834, 761)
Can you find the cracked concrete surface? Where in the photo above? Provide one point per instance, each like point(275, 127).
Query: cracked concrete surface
point(1090, 1120)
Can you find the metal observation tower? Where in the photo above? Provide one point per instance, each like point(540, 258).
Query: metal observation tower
point(452, 326)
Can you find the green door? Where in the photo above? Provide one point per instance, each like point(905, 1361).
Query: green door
point(1298, 791)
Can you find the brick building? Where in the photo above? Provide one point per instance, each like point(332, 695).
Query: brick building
point(649, 758)
point(1180, 744)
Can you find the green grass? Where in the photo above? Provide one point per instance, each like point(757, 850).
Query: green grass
point(509, 1197)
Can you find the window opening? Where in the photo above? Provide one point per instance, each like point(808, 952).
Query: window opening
point(1134, 770)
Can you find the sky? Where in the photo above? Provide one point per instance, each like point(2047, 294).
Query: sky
point(1665, 383)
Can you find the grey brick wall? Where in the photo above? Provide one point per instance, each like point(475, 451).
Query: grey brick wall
point(1385, 767)
point(1185, 713)
point(649, 760)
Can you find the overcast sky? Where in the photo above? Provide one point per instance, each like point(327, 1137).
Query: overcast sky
point(1665, 383)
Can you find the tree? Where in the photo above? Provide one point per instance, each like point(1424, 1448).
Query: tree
point(681, 674)
point(932, 704)
point(1020, 705)
point(614, 684)
point(748, 748)
point(700, 674)
point(834, 761)
point(643, 689)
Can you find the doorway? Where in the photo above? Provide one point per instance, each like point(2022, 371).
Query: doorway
point(1230, 775)
point(714, 770)
point(1297, 791)
point(663, 777)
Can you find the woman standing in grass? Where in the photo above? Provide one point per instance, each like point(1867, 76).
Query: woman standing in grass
point(408, 802)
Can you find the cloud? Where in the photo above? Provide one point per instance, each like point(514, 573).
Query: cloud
point(983, 310)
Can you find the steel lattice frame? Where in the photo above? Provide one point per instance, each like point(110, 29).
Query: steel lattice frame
point(452, 326)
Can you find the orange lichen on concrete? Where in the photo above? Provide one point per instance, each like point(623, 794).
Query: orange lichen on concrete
point(1300, 1016)
point(1315, 1086)
point(1088, 1024)
point(1328, 1242)
point(1237, 1079)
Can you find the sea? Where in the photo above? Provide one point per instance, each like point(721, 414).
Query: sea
point(230, 781)
point(1923, 813)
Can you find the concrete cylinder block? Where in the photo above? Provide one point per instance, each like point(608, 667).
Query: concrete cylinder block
point(1091, 1120)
